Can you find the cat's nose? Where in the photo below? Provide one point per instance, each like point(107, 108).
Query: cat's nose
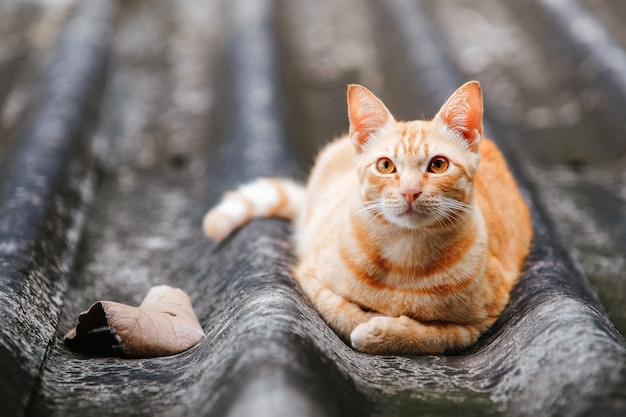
point(411, 195)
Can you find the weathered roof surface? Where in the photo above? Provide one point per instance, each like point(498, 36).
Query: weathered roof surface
point(122, 122)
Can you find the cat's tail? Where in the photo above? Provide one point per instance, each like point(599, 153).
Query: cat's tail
point(263, 197)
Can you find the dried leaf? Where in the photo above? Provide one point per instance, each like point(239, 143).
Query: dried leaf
point(164, 324)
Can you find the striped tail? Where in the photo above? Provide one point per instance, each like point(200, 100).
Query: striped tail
point(263, 197)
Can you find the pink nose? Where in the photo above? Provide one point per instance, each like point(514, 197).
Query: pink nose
point(411, 195)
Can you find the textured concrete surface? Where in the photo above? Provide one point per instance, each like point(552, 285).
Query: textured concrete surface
point(122, 122)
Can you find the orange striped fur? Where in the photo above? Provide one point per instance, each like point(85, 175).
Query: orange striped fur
point(406, 244)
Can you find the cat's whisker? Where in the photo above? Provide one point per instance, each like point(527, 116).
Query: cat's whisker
point(455, 204)
point(372, 207)
point(447, 212)
point(440, 216)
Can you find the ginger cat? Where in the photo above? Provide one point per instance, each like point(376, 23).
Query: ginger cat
point(406, 245)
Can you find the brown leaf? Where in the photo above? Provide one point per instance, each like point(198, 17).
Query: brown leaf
point(164, 324)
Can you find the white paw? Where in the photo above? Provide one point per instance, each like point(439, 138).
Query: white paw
point(384, 335)
point(373, 335)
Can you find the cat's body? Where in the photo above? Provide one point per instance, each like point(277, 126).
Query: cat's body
point(404, 244)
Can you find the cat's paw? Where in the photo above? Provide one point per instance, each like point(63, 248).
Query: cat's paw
point(380, 335)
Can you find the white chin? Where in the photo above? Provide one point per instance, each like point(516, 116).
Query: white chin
point(410, 221)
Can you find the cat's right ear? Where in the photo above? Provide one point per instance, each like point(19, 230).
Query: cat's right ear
point(462, 114)
point(367, 115)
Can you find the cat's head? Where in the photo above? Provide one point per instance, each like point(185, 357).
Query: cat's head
point(420, 173)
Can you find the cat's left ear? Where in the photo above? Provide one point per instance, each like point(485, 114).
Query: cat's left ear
point(367, 115)
point(462, 114)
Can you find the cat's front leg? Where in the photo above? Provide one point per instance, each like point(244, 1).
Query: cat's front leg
point(385, 335)
point(341, 314)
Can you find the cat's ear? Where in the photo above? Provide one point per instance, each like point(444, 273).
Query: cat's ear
point(462, 114)
point(367, 115)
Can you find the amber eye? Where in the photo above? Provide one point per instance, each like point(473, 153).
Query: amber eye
point(438, 164)
point(385, 166)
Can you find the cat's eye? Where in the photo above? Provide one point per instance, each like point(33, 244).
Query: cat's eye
point(385, 166)
point(438, 164)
